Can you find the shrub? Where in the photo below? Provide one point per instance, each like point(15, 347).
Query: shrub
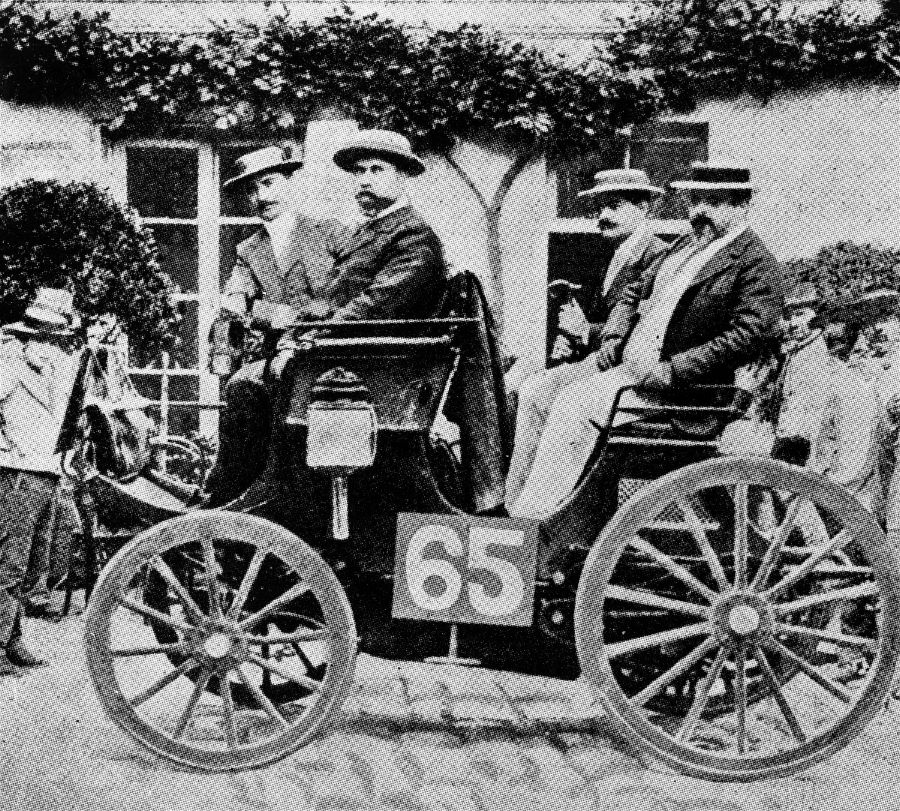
point(76, 236)
point(845, 271)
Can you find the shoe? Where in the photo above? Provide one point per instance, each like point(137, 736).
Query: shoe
point(7, 668)
point(19, 655)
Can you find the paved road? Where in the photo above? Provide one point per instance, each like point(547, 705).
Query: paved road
point(414, 738)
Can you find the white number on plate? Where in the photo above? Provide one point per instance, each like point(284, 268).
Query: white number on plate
point(419, 569)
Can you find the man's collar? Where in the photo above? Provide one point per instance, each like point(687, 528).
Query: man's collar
point(631, 241)
point(403, 202)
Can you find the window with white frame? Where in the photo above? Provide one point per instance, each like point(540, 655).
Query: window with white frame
point(176, 188)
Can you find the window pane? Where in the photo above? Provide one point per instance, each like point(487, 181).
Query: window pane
point(178, 254)
point(147, 385)
point(230, 236)
point(184, 354)
point(162, 182)
point(234, 201)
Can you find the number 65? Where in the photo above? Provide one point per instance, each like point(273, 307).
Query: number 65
point(420, 568)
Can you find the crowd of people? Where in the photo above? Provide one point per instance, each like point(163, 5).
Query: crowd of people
point(709, 308)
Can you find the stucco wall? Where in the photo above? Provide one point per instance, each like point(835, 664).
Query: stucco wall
point(826, 163)
point(45, 143)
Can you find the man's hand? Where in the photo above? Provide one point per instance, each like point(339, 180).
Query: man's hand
point(573, 322)
point(607, 355)
point(658, 377)
point(562, 348)
point(275, 316)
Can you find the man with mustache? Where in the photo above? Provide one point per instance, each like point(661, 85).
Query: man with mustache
point(391, 267)
point(710, 306)
point(624, 197)
point(280, 275)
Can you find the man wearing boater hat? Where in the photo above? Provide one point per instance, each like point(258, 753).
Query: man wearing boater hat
point(36, 377)
point(709, 307)
point(279, 277)
point(391, 267)
point(623, 198)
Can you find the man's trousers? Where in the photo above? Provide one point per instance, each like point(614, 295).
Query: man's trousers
point(28, 505)
point(245, 428)
point(559, 420)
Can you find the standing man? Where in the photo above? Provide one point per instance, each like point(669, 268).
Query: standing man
point(828, 417)
point(709, 307)
point(280, 275)
point(35, 385)
point(624, 197)
point(392, 267)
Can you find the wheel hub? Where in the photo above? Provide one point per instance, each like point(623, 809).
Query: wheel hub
point(743, 617)
point(217, 645)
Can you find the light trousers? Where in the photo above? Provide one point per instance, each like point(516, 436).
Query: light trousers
point(557, 429)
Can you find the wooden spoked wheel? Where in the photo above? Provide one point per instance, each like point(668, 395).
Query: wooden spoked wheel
point(258, 641)
point(739, 619)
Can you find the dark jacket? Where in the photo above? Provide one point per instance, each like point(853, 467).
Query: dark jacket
point(600, 304)
point(392, 267)
point(726, 318)
point(308, 270)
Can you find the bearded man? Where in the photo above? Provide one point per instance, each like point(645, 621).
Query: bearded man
point(711, 306)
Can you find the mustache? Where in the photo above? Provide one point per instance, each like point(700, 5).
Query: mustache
point(607, 224)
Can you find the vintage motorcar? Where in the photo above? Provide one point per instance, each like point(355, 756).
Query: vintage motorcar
point(736, 616)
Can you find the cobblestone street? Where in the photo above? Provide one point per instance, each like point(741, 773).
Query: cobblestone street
point(412, 737)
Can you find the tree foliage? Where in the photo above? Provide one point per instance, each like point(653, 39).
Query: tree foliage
point(703, 48)
point(846, 270)
point(76, 236)
point(270, 78)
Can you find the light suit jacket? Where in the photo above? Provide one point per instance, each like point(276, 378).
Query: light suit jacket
point(31, 406)
point(839, 412)
point(305, 273)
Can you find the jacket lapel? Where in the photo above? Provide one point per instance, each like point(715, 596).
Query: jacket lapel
point(299, 257)
point(260, 253)
point(370, 230)
point(724, 258)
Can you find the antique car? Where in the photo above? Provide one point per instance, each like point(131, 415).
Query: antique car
point(735, 616)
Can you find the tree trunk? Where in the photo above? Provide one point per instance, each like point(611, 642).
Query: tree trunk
point(493, 210)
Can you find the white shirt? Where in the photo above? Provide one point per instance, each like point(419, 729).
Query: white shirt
point(403, 202)
point(279, 231)
point(621, 256)
point(674, 277)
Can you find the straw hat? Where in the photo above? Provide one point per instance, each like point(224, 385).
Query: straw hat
point(614, 181)
point(51, 313)
point(284, 158)
point(392, 146)
point(708, 177)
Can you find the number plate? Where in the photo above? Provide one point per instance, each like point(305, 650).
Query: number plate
point(465, 569)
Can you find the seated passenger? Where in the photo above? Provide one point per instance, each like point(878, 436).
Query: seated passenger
point(709, 307)
point(624, 197)
point(391, 267)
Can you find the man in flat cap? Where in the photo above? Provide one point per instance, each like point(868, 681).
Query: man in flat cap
point(623, 197)
point(36, 377)
point(710, 306)
point(391, 267)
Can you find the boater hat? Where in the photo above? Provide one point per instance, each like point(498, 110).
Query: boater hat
point(707, 177)
point(614, 181)
point(803, 295)
point(284, 158)
point(51, 313)
point(392, 146)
